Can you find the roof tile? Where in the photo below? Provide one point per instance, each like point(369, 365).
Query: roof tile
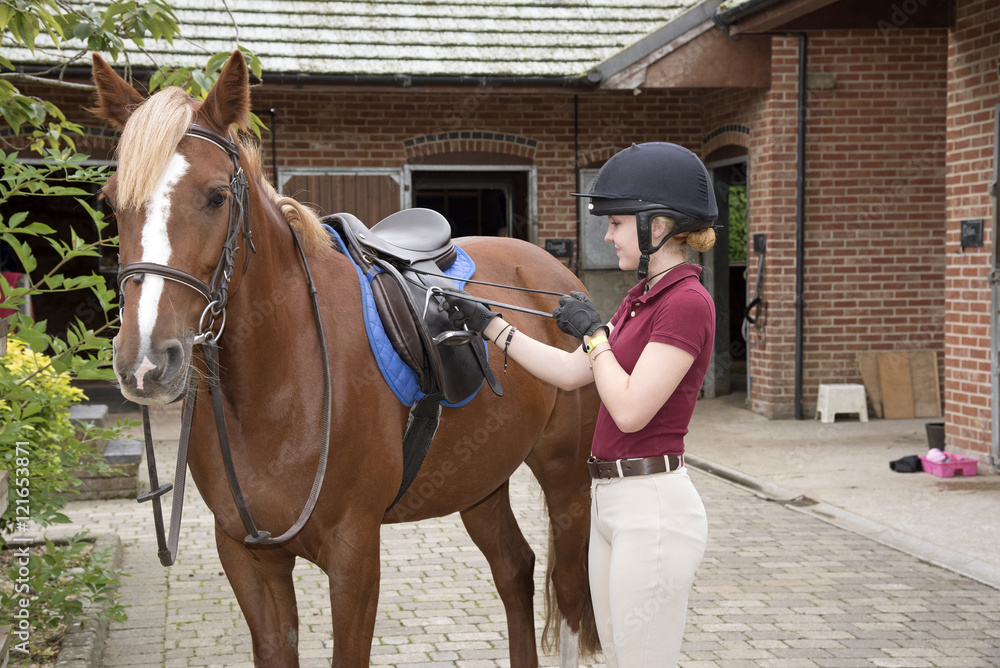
point(455, 38)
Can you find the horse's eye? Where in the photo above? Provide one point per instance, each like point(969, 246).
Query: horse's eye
point(217, 199)
point(106, 202)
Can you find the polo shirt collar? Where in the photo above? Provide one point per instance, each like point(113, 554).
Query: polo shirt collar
point(671, 278)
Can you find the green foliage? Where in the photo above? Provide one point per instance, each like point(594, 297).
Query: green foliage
point(84, 351)
point(105, 29)
point(120, 29)
point(737, 223)
point(44, 453)
point(39, 445)
point(62, 583)
point(102, 29)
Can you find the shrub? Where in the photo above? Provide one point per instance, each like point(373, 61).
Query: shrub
point(34, 413)
point(737, 223)
point(62, 582)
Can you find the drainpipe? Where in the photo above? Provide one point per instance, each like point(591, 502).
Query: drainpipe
point(800, 236)
point(995, 295)
point(274, 145)
point(576, 175)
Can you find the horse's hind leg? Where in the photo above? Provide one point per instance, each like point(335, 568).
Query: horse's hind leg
point(494, 530)
point(568, 611)
point(558, 462)
point(262, 581)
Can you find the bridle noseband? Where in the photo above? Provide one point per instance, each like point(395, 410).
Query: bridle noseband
point(216, 291)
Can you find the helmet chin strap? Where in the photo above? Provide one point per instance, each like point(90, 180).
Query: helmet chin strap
point(643, 227)
point(643, 266)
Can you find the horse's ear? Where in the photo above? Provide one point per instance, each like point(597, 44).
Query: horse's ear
point(229, 100)
point(116, 99)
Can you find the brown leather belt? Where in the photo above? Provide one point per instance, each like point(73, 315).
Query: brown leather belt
point(630, 467)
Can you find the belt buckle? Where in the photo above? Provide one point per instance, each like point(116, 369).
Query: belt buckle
point(603, 469)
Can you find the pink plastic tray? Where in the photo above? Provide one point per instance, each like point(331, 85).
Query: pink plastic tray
point(959, 466)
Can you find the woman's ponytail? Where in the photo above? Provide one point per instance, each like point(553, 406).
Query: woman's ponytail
point(701, 240)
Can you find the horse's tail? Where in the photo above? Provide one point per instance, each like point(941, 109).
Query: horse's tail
point(588, 641)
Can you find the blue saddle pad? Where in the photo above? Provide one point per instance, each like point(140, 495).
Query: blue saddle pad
point(400, 377)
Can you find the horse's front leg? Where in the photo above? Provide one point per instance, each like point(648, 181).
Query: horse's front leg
point(493, 528)
point(262, 581)
point(351, 560)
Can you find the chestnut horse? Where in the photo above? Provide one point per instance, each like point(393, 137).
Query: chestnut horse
point(172, 196)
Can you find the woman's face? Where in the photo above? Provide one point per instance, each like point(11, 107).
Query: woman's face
point(621, 233)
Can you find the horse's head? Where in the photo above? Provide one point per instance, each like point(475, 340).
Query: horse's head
point(180, 201)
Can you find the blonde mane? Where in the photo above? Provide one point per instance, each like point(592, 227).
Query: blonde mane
point(148, 141)
point(151, 137)
point(302, 219)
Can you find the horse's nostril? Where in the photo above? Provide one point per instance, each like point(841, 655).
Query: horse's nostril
point(169, 360)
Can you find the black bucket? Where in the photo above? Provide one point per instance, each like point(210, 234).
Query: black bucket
point(935, 435)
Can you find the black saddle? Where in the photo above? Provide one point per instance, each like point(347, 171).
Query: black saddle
point(411, 247)
point(410, 236)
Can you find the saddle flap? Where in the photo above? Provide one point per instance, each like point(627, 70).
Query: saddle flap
point(400, 327)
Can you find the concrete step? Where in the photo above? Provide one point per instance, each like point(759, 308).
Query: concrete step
point(124, 456)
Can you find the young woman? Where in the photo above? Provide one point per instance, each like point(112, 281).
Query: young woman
point(648, 524)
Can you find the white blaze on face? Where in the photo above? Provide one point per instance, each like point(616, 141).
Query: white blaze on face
point(140, 371)
point(156, 249)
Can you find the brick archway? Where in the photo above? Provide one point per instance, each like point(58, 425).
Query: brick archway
point(596, 156)
point(725, 135)
point(478, 141)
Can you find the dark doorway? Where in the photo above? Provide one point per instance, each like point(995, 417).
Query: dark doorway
point(72, 226)
point(728, 276)
point(476, 203)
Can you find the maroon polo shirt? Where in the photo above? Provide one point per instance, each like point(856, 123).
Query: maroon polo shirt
point(678, 311)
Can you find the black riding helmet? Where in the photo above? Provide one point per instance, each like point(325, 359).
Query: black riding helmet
point(650, 180)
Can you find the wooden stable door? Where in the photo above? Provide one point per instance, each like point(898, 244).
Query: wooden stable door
point(369, 197)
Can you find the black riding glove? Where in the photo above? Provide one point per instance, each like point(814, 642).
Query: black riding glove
point(475, 316)
point(577, 315)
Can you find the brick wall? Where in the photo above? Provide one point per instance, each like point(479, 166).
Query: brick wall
point(344, 128)
point(874, 228)
point(973, 91)
point(770, 116)
point(874, 257)
point(368, 128)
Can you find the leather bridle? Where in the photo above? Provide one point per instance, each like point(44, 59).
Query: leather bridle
point(216, 292)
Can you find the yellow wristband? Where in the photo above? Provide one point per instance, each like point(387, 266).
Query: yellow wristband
point(594, 342)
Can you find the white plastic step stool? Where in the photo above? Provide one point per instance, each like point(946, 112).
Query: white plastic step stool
point(846, 398)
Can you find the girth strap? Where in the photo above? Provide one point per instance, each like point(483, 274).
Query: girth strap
point(484, 366)
point(420, 430)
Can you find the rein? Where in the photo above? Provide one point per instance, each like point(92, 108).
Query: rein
point(217, 295)
point(434, 290)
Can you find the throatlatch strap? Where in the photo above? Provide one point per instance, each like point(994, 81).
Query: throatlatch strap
point(420, 430)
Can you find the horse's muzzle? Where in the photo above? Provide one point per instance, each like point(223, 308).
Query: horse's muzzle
point(157, 375)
